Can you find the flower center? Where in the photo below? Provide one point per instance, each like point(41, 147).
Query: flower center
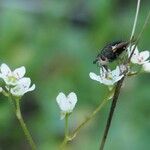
point(109, 76)
point(12, 79)
point(140, 59)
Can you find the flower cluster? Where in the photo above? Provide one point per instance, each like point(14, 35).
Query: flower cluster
point(66, 103)
point(14, 82)
point(109, 77)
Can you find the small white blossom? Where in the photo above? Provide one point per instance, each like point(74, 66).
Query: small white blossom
point(107, 77)
point(22, 87)
point(146, 67)
point(66, 103)
point(138, 57)
point(11, 77)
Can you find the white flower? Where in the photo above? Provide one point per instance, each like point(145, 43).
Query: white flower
point(146, 67)
point(107, 77)
point(138, 57)
point(11, 77)
point(22, 87)
point(66, 103)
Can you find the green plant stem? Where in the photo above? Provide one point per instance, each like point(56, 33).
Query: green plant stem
point(63, 143)
point(66, 137)
point(23, 125)
point(89, 117)
point(100, 106)
point(12, 102)
point(133, 74)
point(66, 125)
point(112, 109)
point(135, 19)
point(133, 29)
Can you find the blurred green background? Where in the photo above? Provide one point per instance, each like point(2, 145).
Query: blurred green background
point(56, 41)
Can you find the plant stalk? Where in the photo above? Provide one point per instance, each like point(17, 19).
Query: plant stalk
point(23, 125)
point(119, 84)
point(112, 109)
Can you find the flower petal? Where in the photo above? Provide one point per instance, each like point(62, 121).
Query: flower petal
point(117, 78)
point(93, 76)
point(19, 72)
point(72, 98)
point(145, 55)
point(116, 72)
point(134, 59)
point(62, 101)
point(17, 90)
point(31, 88)
point(136, 51)
point(61, 97)
point(5, 70)
point(146, 67)
point(26, 82)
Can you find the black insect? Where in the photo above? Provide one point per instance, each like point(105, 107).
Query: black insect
point(110, 53)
